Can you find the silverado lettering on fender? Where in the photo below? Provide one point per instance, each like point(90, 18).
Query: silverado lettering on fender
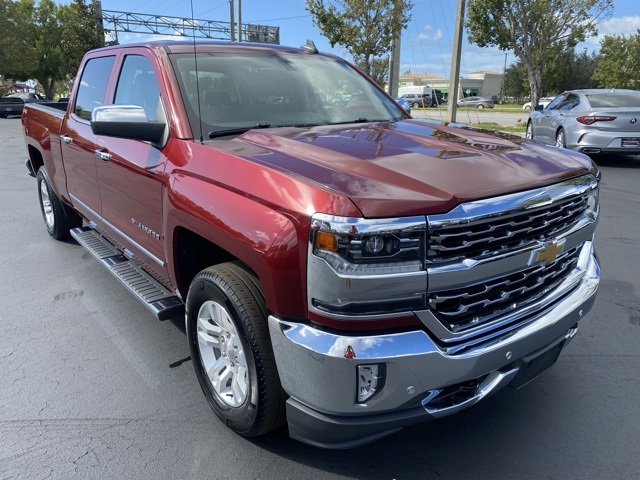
point(341, 267)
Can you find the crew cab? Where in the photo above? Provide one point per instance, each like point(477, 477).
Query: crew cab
point(341, 268)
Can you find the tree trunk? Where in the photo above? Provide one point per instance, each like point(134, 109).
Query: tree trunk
point(535, 84)
point(48, 85)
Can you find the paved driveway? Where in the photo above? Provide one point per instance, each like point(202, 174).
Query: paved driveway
point(92, 387)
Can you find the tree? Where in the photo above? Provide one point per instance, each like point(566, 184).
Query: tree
point(619, 62)
point(364, 27)
point(46, 41)
point(379, 69)
point(82, 32)
point(514, 81)
point(535, 30)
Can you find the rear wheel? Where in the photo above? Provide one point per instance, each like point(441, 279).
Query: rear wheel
point(560, 139)
point(231, 350)
point(58, 218)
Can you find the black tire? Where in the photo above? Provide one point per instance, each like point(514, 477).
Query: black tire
point(2, 115)
point(237, 291)
point(58, 218)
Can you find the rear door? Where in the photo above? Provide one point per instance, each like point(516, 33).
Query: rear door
point(131, 172)
point(78, 143)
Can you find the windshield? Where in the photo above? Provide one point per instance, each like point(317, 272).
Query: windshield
point(245, 91)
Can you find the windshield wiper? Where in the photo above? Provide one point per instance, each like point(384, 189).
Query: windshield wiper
point(236, 131)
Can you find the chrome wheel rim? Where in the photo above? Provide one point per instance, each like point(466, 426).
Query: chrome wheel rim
point(47, 209)
point(222, 354)
point(560, 139)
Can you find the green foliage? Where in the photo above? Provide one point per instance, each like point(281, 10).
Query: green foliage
point(536, 30)
point(46, 41)
point(565, 70)
point(379, 69)
point(619, 62)
point(364, 27)
point(515, 81)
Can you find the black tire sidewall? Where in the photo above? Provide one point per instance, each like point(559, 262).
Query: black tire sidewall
point(241, 419)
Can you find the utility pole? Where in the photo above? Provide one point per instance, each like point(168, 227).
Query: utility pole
point(454, 76)
point(239, 20)
point(504, 70)
point(394, 67)
point(232, 17)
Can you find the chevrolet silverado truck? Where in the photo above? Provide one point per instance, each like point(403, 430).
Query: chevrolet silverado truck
point(340, 267)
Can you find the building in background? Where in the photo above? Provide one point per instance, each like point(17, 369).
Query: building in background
point(481, 83)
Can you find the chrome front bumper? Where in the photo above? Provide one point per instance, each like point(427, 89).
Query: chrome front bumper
point(318, 370)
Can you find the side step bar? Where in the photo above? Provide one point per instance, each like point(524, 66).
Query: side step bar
point(160, 301)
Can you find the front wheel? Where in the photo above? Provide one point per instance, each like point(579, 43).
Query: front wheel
point(529, 133)
point(415, 104)
point(58, 218)
point(231, 350)
point(561, 140)
point(480, 106)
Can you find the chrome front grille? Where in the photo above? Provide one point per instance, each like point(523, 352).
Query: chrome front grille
point(486, 237)
point(494, 265)
point(473, 305)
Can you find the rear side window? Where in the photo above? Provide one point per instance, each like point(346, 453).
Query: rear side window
point(138, 85)
point(93, 86)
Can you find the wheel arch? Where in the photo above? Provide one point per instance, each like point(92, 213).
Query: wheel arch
point(209, 225)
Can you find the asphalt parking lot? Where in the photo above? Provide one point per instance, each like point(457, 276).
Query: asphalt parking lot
point(92, 386)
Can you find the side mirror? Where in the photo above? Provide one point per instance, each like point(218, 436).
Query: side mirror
point(538, 108)
point(126, 121)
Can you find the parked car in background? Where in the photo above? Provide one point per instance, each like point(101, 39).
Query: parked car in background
point(13, 103)
point(590, 121)
point(417, 99)
point(544, 101)
point(475, 102)
point(404, 103)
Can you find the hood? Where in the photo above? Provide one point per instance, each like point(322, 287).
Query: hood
point(408, 167)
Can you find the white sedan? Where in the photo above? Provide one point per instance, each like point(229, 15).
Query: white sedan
point(544, 101)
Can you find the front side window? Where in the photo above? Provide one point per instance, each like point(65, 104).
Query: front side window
point(138, 85)
point(93, 86)
point(274, 90)
point(556, 102)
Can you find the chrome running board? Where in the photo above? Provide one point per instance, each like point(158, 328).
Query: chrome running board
point(159, 300)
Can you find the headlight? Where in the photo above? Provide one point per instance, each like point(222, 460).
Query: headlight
point(360, 268)
point(356, 241)
point(593, 199)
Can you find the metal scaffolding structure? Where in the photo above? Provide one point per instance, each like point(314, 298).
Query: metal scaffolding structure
point(129, 22)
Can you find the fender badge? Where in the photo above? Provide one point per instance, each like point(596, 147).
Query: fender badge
point(349, 353)
point(548, 252)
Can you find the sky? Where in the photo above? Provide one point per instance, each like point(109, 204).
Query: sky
point(426, 43)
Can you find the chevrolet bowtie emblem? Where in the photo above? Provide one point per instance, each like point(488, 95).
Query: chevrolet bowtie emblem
point(548, 252)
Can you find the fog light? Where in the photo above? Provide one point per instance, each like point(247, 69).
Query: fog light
point(370, 381)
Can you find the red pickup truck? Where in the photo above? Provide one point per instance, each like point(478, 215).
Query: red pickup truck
point(340, 266)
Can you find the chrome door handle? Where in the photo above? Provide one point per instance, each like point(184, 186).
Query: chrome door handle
point(104, 156)
point(66, 139)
